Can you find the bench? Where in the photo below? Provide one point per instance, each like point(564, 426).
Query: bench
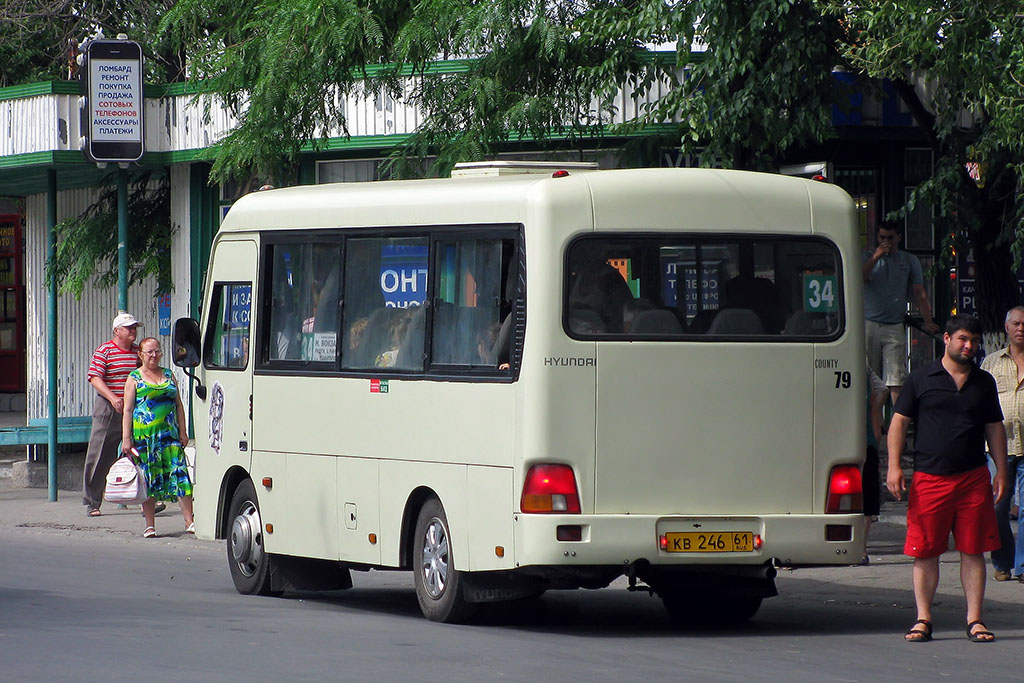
point(37, 433)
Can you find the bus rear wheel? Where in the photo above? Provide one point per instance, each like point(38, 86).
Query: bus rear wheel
point(439, 588)
point(249, 562)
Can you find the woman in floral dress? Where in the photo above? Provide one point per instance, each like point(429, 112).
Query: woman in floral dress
point(154, 427)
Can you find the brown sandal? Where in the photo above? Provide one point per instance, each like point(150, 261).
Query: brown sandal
point(916, 635)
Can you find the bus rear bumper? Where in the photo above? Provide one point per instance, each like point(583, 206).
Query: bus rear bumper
point(622, 540)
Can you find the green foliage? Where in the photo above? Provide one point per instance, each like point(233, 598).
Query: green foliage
point(285, 67)
point(87, 244)
point(764, 84)
point(545, 73)
point(38, 38)
point(959, 67)
point(31, 54)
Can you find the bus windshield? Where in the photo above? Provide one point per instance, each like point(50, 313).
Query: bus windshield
point(667, 287)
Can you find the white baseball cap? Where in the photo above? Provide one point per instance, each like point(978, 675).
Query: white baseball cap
point(125, 320)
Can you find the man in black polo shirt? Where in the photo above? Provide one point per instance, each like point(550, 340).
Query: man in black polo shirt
point(955, 408)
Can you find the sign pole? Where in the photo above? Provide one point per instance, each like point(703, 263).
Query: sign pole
point(51, 337)
point(122, 238)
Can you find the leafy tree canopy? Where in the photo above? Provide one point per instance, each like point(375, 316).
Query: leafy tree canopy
point(287, 64)
point(758, 87)
point(548, 72)
point(39, 38)
point(959, 68)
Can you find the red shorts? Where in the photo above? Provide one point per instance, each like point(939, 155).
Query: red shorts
point(961, 503)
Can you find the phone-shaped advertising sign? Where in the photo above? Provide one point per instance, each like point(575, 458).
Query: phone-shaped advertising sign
point(114, 77)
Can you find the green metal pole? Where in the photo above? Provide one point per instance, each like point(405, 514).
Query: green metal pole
point(51, 335)
point(122, 239)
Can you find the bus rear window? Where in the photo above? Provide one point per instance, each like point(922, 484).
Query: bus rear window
point(703, 287)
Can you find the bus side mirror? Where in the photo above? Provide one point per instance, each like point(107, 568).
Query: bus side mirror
point(186, 343)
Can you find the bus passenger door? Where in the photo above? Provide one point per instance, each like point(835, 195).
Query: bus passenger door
point(223, 421)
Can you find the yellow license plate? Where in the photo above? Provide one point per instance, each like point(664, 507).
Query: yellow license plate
point(710, 542)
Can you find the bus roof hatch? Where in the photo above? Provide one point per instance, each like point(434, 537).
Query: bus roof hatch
point(477, 169)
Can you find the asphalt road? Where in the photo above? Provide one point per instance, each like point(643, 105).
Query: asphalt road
point(86, 600)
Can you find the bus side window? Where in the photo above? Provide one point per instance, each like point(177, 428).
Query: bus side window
point(284, 322)
point(304, 302)
point(227, 344)
point(468, 309)
point(385, 289)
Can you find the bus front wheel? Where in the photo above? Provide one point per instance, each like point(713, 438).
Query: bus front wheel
point(439, 588)
point(249, 562)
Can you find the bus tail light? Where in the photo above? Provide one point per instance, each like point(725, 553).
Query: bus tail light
point(845, 490)
point(550, 489)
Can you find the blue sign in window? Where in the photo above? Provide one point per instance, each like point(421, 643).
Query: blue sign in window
point(698, 294)
point(403, 274)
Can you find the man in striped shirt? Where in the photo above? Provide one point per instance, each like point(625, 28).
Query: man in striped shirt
point(111, 363)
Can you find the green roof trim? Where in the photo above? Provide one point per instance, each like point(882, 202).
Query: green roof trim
point(157, 90)
point(55, 158)
point(45, 158)
point(360, 142)
point(17, 92)
point(178, 156)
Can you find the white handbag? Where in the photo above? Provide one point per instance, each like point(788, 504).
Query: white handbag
point(126, 483)
point(190, 463)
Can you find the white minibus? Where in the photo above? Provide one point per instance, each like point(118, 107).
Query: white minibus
point(530, 377)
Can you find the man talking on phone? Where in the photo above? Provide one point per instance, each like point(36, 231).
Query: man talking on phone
point(891, 277)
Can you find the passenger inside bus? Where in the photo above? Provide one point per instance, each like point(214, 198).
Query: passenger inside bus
point(410, 351)
point(485, 344)
point(758, 294)
point(502, 347)
point(730, 321)
point(655, 321)
point(390, 343)
point(355, 336)
point(470, 338)
point(598, 294)
point(633, 309)
point(374, 340)
point(285, 325)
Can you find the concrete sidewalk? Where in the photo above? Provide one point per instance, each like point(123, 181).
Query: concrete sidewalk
point(31, 509)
